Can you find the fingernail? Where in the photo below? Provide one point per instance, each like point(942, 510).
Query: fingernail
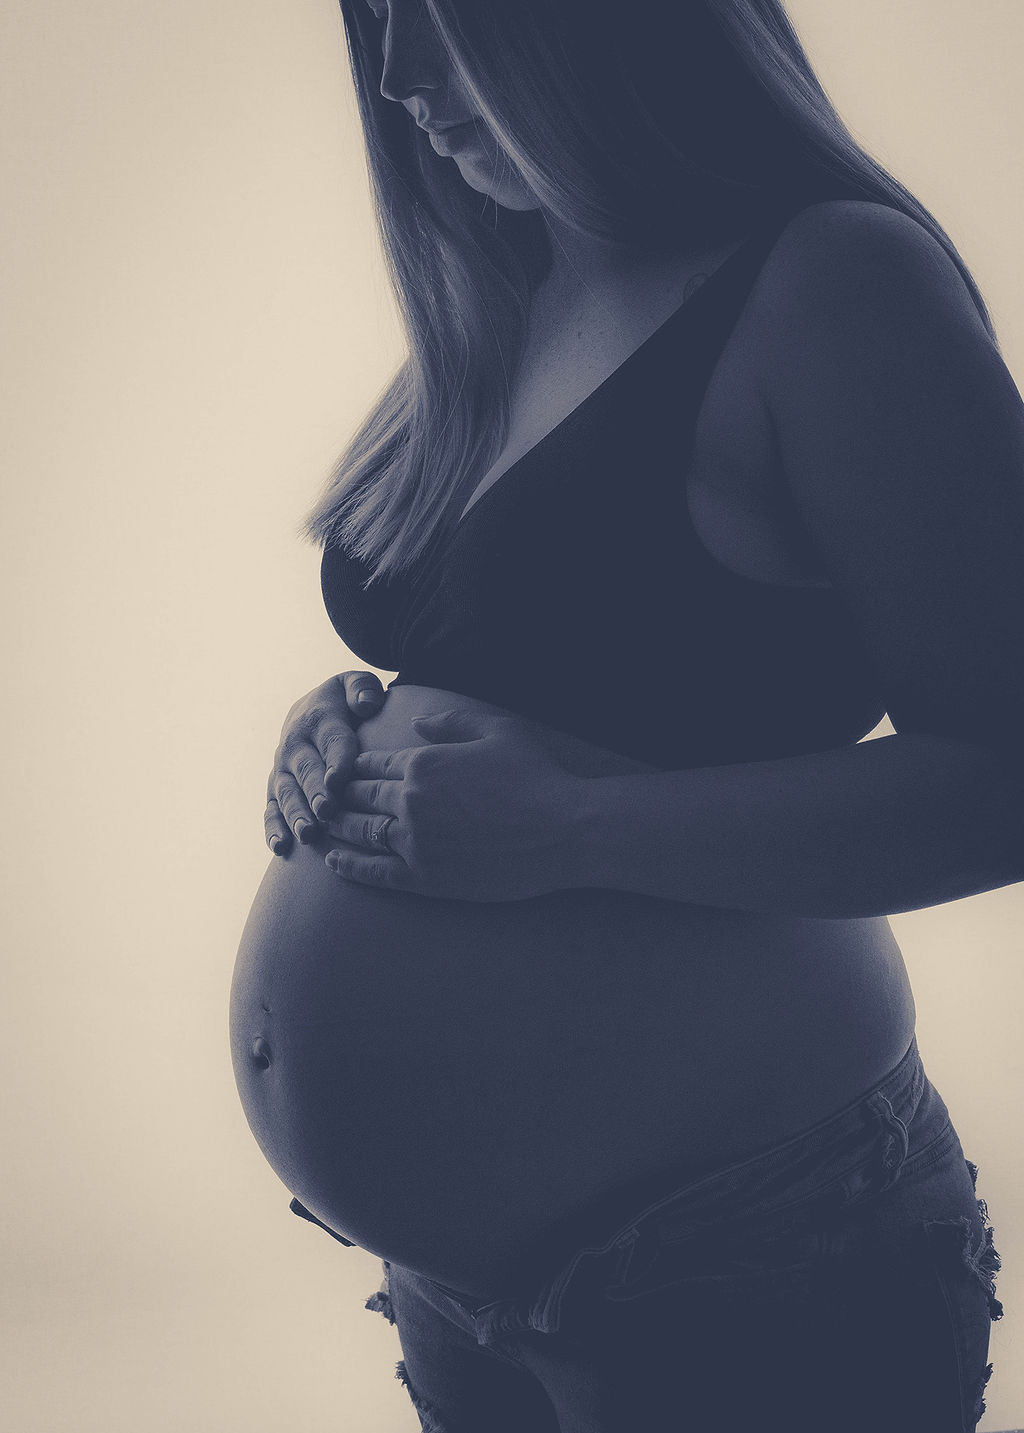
point(304, 831)
point(365, 697)
point(275, 844)
point(321, 807)
point(330, 774)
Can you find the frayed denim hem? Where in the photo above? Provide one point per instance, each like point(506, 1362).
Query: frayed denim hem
point(428, 1419)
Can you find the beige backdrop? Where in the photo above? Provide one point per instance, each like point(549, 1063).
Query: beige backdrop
point(195, 320)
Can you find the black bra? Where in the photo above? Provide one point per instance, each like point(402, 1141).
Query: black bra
point(577, 580)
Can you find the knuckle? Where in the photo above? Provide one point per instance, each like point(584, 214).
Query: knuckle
point(338, 745)
point(333, 729)
point(307, 764)
point(293, 805)
point(291, 740)
point(346, 688)
point(417, 774)
point(333, 690)
point(282, 782)
point(297, 711)
point(318, 714)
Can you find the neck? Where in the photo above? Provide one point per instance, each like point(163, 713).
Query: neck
point(580, 260)
point(582, 263)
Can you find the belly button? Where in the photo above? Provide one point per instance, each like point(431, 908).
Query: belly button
point(261, 1056)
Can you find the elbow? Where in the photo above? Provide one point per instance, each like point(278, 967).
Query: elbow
point(975, 810)
point(1000, 852)
point(991, 852)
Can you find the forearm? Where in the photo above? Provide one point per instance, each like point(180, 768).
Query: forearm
point(888, 825)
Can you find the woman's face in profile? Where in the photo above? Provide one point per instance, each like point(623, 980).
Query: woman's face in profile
point(419, 75)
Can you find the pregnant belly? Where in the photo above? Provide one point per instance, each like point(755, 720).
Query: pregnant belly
point(445, 1083)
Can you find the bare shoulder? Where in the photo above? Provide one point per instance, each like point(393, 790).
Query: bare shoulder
point(900, 437)
point(843, 267)
point(845, 281)
point(855, 228)
point(861, 379)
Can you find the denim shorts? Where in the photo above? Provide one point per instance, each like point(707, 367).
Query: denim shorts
point(842, 1280)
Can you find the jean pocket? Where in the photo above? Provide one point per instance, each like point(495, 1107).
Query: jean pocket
point(931, 1152)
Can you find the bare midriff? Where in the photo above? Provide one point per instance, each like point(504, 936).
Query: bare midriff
point(444, 1082)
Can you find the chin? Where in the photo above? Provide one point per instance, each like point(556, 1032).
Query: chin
point(510, 193)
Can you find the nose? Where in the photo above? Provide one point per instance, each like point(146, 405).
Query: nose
point(413, 59)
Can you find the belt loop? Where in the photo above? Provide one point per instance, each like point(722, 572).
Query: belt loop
point(896, 1141)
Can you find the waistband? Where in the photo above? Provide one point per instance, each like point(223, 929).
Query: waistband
point(860, 1148)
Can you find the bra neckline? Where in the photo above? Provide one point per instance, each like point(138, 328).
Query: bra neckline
point(742, 248)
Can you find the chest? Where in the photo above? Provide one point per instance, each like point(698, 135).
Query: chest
point(734, 484)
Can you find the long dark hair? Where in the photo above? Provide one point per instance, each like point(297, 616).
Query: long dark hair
point(677, 124)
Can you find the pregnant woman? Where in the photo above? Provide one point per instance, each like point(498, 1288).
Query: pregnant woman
point(570, 992)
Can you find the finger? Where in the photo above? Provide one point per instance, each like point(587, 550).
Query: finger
point(375, 796)
point(294, 807)
point(275, 828)
point(389, 765)
point(306, 764)
point(363, 692)
point(452, 726)
point(375, 870)
point(357, 828)
point(338, 747)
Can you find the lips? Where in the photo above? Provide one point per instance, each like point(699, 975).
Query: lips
point(453, 137)
point(435, 126)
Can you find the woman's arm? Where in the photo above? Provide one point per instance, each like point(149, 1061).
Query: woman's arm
point(901, 436)
point(888, 825)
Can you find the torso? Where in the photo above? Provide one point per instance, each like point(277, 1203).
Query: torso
point(450, 1080)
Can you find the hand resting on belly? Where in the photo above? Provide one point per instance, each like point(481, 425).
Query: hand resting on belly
point(441, 1081)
